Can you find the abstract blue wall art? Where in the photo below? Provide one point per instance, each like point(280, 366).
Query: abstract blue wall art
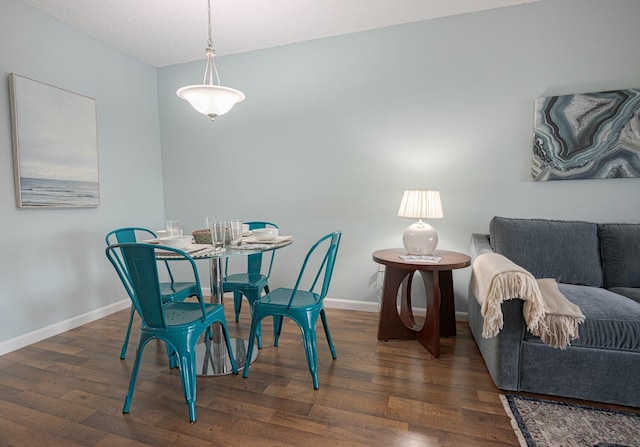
point(587, 136)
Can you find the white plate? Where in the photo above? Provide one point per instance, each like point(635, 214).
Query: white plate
point(276, 240)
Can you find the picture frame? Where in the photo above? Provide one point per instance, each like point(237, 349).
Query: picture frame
point(587, 136)
point(55, 146)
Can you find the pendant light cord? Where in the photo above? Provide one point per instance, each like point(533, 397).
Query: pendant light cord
point(210, 41)
point(211, 68)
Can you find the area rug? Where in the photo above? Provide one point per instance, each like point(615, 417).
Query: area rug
point(544, 423)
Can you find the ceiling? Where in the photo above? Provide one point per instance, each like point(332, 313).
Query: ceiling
point(166, 32)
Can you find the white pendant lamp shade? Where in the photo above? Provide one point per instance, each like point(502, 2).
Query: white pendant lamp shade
point(420, 238)
point(208, 98)
point(211, 100)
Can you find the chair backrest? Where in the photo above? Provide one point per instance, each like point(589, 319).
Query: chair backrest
point(136, 265)
point(254, 262)
point(326, 261)
point(133, 234)
point(128, 234)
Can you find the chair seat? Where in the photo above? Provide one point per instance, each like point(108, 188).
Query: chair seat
point(280, 298)
point(180, 313)
point(245, 280)
point(177, 291)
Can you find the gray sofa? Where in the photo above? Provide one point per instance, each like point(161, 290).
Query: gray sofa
point(597, 267)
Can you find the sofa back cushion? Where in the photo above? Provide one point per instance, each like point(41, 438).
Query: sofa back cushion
point(620, 252)
point(565, 250)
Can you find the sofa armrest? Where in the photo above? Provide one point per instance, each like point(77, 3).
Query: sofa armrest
point(480, 244)
point(501, 353)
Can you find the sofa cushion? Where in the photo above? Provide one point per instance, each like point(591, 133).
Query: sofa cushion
point(564, 250)
point(611, 320)
point(630, 292)
point(620, 252)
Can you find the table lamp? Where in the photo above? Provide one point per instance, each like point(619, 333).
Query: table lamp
point(420, 238)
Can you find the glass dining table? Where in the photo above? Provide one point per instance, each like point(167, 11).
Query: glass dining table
point(212, 358)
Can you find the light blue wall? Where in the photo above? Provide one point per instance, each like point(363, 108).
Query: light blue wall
point(331, 133)
point(333, 130)
point(53, 266)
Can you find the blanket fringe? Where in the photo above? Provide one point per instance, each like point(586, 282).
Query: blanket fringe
point(557, 330)
point(506, 287)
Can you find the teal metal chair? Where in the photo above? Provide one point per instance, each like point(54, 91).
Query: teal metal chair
point(179, 323)
point(300, 304)
point(252, 282)
point(171, 290)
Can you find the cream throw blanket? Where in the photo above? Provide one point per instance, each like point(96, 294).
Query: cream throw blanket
point(547, 313)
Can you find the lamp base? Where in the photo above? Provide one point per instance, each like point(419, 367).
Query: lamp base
point(420, 238)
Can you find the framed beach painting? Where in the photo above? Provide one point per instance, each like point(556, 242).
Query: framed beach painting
point(55, 146)
point(587, 136)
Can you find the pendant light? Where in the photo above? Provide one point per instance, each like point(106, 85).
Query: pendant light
point(208, 98)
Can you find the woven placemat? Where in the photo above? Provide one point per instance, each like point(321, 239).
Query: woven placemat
point(202, 236)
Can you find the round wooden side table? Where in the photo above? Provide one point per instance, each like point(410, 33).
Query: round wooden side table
point(440, 318)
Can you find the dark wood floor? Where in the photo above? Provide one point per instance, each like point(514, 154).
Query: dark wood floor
point(69, 390)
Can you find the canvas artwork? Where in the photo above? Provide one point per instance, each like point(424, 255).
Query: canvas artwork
point(55, 146)
point(587, 136)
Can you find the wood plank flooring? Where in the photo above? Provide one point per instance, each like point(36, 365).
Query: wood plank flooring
point(69, 390)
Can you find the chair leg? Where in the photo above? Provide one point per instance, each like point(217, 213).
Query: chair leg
point(174, 357)
point(259, 335)
point(309, 338)
point(142, 342)
point(123, 351)
point(252, 338)
point(252, 299)
point(328, 334)
point(277, 328)
point(232, 359)
point(188, 379)
point(252, 296)
point(237, 304)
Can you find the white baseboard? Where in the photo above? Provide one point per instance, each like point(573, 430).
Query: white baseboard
point(366, 306)
point(362, 306)
point(63, 326)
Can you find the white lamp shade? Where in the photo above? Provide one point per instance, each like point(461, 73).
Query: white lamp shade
point(421, 204)
point(211, 100)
